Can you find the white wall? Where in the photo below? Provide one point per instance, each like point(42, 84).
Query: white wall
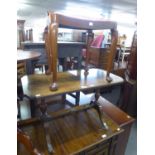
point(128, 31)
point(38, 26)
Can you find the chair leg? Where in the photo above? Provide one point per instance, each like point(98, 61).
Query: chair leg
point(123, 57)
point(77, 99)
point(18, 107)
point(63, 98)
point(32, 106)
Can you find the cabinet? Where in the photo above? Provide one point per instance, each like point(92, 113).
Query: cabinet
point(98, 57)
point(81, 133)
point(128, 102)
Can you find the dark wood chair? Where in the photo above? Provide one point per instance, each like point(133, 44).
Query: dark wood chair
point(24, 139)
point(99, 56)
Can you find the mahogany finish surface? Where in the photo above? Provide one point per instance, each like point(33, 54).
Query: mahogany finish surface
point(81, 23)
point(99, 57)
point(26, 55)
point(131, 72)
point(123, 120)
point(69, 81)
point(80, 133)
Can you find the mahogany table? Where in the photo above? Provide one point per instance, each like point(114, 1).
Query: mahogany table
point(36, 87)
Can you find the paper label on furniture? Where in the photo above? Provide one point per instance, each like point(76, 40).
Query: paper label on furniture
point(104, 136)
point(37, 95)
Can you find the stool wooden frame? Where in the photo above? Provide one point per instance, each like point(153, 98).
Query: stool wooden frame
point(58, 20)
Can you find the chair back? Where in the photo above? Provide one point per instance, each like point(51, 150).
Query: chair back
point(24, 139)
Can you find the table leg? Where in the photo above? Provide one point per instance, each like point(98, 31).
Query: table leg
point(64, 98)
point(18, 106)
point(97, 108)
point(43, 109)
point(77, 99)
point(32, 102)
point(119, 54)
point(108, 78)
point(48, 138)
point(32, 106)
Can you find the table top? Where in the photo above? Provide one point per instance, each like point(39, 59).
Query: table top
point(37, 85)
point(72, 134)
point(23, 55)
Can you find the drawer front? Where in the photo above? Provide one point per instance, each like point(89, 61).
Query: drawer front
point(99, 149)
point(103, 60)
point(104, 148)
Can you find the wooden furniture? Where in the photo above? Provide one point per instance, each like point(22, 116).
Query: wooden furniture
point(98, 57)
point(22, 57)
point(131, 71)
point(36, 87)
point(92, 131)
point(20, 33)
point(58, 20)
point(65, 49)
point(80, 133)
point(41, 61)
point(123, 120)
point(124, 52)
point(21, 68)
point(26, 55)
point(128, 102)
point(24, 139)
point(47, 49)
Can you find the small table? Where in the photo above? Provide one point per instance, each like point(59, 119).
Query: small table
point(26, 55)
point(37, 87)
point(23, 55)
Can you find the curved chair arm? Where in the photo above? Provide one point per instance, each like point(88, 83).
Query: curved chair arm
point(23, 138)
